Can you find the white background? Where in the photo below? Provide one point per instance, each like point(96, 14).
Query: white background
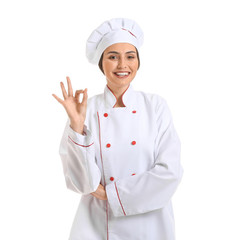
point(190, 57)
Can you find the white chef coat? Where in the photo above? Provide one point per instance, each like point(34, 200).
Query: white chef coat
point(134, 152)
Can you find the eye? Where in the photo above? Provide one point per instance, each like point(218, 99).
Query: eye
point(131, 57)
point(112, 57)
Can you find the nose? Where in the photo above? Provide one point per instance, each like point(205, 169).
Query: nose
point(121, 63)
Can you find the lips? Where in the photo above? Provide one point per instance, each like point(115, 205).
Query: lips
point(122, 74)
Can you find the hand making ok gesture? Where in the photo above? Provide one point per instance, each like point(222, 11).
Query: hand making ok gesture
point(75, 109)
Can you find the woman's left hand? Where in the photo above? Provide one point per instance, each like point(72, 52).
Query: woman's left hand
point(100, 193)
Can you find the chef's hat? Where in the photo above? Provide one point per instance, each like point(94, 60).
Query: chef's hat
point(116, 30)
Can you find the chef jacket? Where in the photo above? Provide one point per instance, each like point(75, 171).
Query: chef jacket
point(134, 152)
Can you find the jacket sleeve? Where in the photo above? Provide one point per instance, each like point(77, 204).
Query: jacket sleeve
point(154, 188)
point(77, 153)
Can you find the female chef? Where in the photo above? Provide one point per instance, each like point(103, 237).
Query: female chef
point(119, 149)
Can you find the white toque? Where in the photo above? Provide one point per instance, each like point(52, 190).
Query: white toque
point(116, 30)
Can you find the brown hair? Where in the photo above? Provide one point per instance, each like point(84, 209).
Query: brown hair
point(100, 61)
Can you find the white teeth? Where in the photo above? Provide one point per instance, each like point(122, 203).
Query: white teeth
point(122, 74)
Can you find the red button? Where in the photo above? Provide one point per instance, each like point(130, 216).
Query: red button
point(134, 111)
point(133, 142)
point(111, 178)
point(133, 174)
point(108, 145)
point(105, 114)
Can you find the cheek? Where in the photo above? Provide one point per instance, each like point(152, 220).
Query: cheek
point(107, 66)
point(134, 66)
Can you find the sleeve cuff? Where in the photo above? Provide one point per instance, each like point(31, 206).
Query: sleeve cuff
point(84, 140)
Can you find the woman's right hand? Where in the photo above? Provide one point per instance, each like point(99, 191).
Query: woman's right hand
point(75, 109)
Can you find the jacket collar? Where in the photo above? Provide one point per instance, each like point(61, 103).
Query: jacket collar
point(110, 99)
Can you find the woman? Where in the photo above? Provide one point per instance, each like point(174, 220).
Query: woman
point(119, 149)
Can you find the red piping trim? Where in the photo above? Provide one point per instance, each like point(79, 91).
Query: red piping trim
point(101, 146)
point(103, 169)
point(80, 144)
point(119, 199)
point(107, 217)
point(121, 96)
point(129, 32)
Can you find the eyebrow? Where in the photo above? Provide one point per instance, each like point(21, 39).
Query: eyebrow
point(114, 52)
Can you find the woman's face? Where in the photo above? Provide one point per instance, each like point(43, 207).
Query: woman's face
point(120, 64)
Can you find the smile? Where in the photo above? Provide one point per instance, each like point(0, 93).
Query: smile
point(122, 74)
